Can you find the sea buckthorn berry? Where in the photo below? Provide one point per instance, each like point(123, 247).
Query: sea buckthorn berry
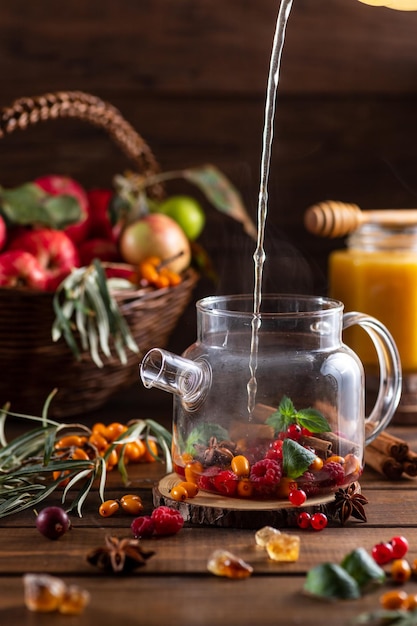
point(400, 571)
point(114, 430)
point(297, 497)
point(79, 454)
point(335, 458)
point(240, 465)
point(98, 441)
point(151, 451)
point(134, 451)
point(285, 486)
point(192, 471)
point(316, 465)
point(190, 488)
point(99, 428)
point(319, 521)
point(399, 546)
point(108, 508)
point(69, 441)
point(394, 600)
point(304, 520)
point(244, 488)
point(382, 553)
point(131, 504)
point(178, 493)
point(112, 459)
point(411, 602)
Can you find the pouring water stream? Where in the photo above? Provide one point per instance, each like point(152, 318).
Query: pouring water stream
point(259, 254)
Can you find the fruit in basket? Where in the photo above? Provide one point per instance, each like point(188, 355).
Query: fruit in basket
point(57, 185)
point(53, 249)
point(21, 269)
point(156, 235)
point(3, 233)
point(98, 248)
point(187, 212)
point(100, 223)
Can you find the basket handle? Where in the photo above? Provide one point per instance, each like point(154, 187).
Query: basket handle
point(25, 112)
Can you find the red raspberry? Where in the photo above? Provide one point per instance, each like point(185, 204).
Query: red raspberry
point(265, 476)
point(332, 474)
point(142, 526)
point(167, 521)
point(206, 480)
point(226, 482)
point(308, 483)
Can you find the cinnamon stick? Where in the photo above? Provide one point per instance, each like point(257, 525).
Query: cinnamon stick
point(391, 446)
point(261, 412)
point(410, 464)
point(240, 430)
point(321, 447)
point(383, 464)
point(340, 445)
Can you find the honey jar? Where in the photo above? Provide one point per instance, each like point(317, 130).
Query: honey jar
point(377, 273)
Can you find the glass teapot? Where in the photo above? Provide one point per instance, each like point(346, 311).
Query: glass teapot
point(270, 403)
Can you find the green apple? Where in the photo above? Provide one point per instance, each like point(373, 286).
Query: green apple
point(187, 212)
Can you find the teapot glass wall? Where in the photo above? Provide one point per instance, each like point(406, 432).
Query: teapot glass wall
point(307, 426)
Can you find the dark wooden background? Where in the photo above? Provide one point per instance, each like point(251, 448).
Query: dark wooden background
point(191, 76)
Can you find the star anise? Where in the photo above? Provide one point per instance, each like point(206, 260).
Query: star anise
point(119, 555)
point(220, 453)
point(348, 502)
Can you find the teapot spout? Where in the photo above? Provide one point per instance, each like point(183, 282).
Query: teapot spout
point(190, 380)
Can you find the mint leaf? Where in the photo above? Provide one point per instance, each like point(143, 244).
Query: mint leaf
point(201, 435)
point(387, 617)
point(331, 581)
point(284, 415)
point(363, 568)
point(296, 458)
point(313, 420)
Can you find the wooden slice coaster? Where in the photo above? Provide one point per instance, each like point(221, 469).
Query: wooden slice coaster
point(214, 510)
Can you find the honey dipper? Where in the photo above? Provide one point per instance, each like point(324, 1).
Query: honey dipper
point(337, 219)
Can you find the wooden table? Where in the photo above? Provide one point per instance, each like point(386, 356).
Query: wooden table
point(175, 587)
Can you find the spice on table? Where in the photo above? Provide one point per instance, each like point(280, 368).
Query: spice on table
point(391, 456)
point(119, 556)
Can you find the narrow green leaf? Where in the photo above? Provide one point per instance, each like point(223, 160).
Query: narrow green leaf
point(222, 194)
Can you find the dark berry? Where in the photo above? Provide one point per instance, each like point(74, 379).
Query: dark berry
point(53, 522)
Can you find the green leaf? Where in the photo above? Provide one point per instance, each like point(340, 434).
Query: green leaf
point(387, 617)
point(362, 567)
point(313, 420)
point(29, 204)
point(201, 435)
point(222, 194)
point(296, 458)
point(332, 582)
point(284, 415)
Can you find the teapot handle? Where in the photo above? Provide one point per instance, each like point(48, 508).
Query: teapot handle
point(390, 372)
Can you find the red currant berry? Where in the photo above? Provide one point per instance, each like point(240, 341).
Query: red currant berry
point(297, 497)
point(319, 521)
point(306, 432)
point(304, 520)
point(294, 432)
point(382, 553)
point(399, 547)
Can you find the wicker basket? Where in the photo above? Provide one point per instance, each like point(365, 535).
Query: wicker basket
point(31, 364)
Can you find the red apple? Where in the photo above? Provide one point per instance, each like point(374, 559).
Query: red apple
point(3, 233)
point(57, 185)
point(21, 269)
point(156, 235)
point(97, 248)
point(98, 207)
point(53, 249)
